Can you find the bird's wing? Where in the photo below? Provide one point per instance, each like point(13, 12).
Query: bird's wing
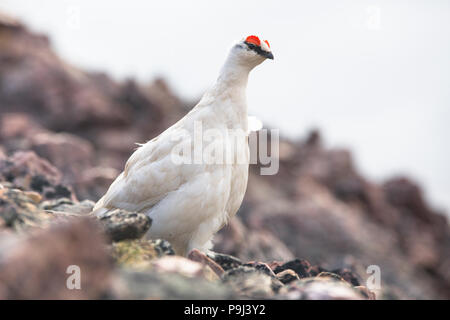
point(150, 174)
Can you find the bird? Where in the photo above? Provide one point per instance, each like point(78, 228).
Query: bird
point(188, 202)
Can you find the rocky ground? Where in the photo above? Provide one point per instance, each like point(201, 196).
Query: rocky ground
point(64, 136)
point(41, 238)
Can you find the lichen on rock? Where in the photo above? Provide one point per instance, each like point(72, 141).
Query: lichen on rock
point(139, 253)
point(122, 225)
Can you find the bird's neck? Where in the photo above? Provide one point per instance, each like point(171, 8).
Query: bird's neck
point(233, 78)
point(228, 95)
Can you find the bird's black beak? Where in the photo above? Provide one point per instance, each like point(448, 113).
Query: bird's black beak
point(268, 55)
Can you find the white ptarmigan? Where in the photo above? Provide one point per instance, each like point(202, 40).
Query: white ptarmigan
point(189, 202)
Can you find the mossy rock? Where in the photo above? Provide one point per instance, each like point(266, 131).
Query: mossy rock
point(138, 253)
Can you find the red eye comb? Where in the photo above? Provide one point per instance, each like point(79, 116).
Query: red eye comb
point(267, 42)
point(254, 40)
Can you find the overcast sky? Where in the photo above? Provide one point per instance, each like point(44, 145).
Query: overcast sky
point(374, 76)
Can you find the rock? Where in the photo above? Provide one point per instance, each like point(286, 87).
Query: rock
point(260, 266)
point(51, 192)
point(34, 196)
point(16, 127)
point(299, 266)
point(56, 204)
point(95, 181)
point(121, 225)
point(332, 275)
point(226, 261)
point(66, 205)
point(163, 247)
point(39, 265)
point(138, 254)
point(249, 282)
point(348, 276)
point(19, 211)
point(183, 266)
point(149, 285)
point(315, 270)
point(325, 288)
point(69, 153)
point(287, 276)
point(27, 171)
point(25, 165)
point(404, 194)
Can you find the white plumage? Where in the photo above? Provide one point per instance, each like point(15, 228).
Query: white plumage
point(188, 203)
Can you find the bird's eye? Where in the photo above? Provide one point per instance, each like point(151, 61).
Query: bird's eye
point(252, 47)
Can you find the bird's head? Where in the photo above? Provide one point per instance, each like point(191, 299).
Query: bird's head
point(252, 51)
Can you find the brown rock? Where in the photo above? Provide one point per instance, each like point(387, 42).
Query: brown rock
point(248, 282)
point(27, 171)
point(23, 166)
point(19, 212)
point(185, 267)
point(15, 125)
point(123, 225)
point(226, 261)
point(325, 274)
point(34, 196)
point(348, 276)
point(324, 288)
point(260, 266)
point(138, 254)
point(39, 266)
point(69, 153)
point(300, 266)
point(406, 195)
point(95, 181)
point(66, 205)
point(287, 276)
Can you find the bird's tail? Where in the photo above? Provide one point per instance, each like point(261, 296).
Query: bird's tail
point(99, 210)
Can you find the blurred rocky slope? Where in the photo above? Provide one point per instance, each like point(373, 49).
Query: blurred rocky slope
point(65, 134)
